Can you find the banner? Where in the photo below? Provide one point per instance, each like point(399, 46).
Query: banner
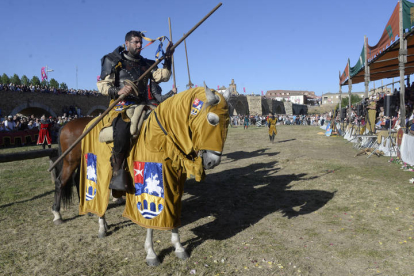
point(388, 36)
point(344, 75)
point(43, 73)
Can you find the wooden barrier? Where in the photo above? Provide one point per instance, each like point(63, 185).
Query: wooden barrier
point(10, 157)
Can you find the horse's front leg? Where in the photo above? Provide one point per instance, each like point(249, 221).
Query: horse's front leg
point(179, 249)
point(152, 259)
point(103, 227)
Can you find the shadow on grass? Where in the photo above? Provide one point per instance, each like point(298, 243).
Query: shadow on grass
point(237, 155)
point(27, 200)
point(241, 197)
point(284, 141)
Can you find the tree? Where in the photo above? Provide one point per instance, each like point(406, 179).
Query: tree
point(25, 80)
point(53, 83)
point(354, 100)
point(35, 81)
point(43, 83)
point(15, 80)
point(63, 86)
point(5, 79)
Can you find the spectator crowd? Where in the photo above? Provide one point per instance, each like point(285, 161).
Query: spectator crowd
point(47, 89)
point(20, 122)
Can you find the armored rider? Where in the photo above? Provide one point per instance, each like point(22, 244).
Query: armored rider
point(117, 67)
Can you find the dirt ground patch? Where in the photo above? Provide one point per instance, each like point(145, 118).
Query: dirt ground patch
point(301, 206)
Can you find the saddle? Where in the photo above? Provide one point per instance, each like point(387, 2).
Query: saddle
point(137, 114)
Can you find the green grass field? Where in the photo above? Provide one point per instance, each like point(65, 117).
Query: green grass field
point(301, 206)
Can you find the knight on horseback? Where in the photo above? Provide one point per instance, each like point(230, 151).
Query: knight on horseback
point(119, 69)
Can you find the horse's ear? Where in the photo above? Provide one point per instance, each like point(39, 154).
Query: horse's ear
point(226, 94)
point(211, 98)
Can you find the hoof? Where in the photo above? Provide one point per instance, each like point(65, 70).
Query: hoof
point(58, 222)
point(102, 235)
point(182, 255)
point(153, 262)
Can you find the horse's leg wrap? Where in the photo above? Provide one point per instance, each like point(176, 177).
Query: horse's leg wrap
point(152, 259)
point(103, 227)
point(58, 218)
point(179, 249)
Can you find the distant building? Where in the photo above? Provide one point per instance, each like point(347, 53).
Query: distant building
point(333, 98)
point(294, 96)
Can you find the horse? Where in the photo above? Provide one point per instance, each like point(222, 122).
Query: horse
point(191, 130)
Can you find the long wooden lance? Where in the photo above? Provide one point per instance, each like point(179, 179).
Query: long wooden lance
point(190, 84)
point(172, 56)
point(124, 95)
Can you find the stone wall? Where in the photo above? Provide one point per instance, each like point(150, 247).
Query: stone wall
point(28, 103)
point(238, 105)
point(255, 105)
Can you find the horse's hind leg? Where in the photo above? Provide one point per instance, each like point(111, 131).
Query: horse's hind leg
point(103, 227)
point(60, 182)
point(179, 249)
point(152, 259)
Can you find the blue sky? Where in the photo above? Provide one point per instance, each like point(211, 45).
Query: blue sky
point(262, 45)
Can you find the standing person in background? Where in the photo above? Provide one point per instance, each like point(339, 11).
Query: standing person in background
point(246, 122)
point(44, 133)
point(271, 123)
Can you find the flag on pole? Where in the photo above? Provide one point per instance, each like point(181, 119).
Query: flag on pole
point(244, 89)
point(218, 87)
point(262, 92)
point(43, 73)
point(98, 78)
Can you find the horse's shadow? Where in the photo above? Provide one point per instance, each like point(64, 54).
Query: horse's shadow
point(240, 197)
point(237, 155)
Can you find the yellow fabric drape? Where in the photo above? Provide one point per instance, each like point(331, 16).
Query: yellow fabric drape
point(167, 159)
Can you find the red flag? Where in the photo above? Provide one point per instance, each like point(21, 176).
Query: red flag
point(244, 89)
point(218, 87)
point(43, 73)
point(196, 85)
point(98, 78)
point(262, 93)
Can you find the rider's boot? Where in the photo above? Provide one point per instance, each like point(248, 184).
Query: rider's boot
point(121, 179)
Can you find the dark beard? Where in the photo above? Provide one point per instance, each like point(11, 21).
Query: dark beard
point(137, 56)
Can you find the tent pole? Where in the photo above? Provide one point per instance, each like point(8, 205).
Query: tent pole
point(367, 77)
point(402, 58)
point(349, 90)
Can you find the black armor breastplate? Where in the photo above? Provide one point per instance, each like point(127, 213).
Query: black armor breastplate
point(132, 70)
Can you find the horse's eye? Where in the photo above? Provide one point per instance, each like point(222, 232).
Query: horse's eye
point(213, 118)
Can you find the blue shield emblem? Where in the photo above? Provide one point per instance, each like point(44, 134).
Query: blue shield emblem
point(149, 188)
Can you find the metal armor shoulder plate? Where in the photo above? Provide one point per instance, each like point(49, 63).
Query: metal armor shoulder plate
point(110, 61)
